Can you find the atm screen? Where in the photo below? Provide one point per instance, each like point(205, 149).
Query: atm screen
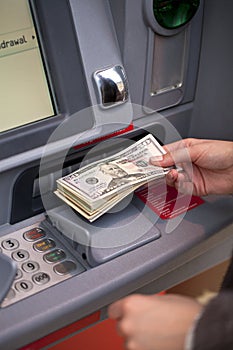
point(25, 96)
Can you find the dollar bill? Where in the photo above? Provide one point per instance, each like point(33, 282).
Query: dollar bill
point(95, 188)
point(95, 214)
point(104, 178)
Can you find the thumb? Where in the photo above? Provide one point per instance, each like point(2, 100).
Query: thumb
point(164, 161)
point(180, 155)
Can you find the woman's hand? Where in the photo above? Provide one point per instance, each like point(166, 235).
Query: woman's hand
point(154, 322)
point(207, 166)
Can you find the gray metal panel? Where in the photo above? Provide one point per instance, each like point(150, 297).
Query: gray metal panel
point(108, 237)
point(136, 40)
point(99, 41)
point(213, 108)
point(73, 299)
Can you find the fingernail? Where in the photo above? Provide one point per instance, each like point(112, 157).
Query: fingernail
point(156, 158)
point(171, 176)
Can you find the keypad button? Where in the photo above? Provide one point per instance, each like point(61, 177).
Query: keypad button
point(20, 255)
point(55, 256)
point(23, 286)
point(41, 278)
point(34, 234)
point(30, 266)
point(64, 267)
point(44, 245)
point(10, 244)
point(19, 274)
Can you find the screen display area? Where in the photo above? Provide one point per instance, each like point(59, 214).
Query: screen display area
point(24, 90)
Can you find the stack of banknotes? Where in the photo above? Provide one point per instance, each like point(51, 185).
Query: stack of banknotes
point(95, 188)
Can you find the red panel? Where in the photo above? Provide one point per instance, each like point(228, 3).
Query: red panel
point(64, 332)
point(106, 137)
point(165, 201)
point(102, 336)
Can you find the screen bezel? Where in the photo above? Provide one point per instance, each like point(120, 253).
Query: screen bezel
point(65, 74)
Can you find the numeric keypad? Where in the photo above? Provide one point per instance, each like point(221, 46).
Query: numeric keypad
point(42, 261)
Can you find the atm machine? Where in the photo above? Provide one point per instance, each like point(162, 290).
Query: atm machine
point(81, 80)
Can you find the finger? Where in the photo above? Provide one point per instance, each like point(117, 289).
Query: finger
point(172, 177)
point(185, 187)
point(115, 310)
point(163, 161)
point(184, 151)
point(119, 330)
point(181, 155)
point(167, 158)
point(178, 156)
point(130, 345)
point(124, 328)
point(180, 181)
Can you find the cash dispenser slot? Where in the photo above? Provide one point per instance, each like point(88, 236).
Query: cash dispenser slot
point(30, 184)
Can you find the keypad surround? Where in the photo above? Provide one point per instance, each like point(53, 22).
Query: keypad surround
point(42, 259)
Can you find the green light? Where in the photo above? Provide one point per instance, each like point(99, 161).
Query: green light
point(172, 14)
